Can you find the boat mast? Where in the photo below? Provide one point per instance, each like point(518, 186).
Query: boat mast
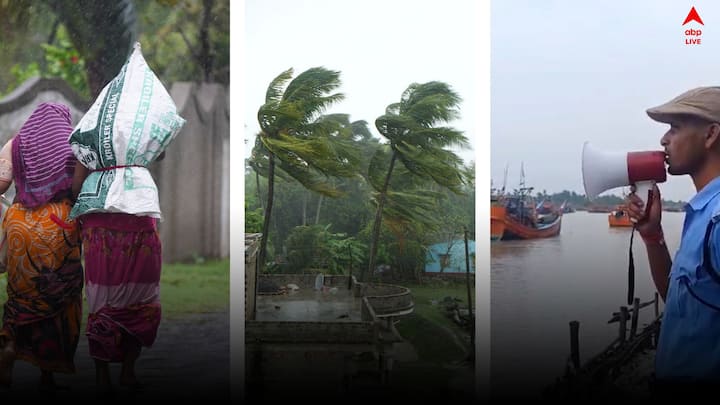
point(502, 191)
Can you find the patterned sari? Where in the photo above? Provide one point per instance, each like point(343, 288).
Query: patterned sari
point(123, 261)
point(44, 273)
point(45, 279)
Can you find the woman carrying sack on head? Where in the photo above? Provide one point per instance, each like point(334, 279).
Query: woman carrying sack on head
point(128, 127)
point(42, 316)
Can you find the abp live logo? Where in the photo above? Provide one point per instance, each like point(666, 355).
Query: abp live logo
point(692, 36)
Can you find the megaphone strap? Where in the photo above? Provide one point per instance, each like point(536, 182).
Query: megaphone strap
point(631, 271)
point(651, 238)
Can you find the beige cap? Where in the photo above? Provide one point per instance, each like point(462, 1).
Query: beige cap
point(703, 102)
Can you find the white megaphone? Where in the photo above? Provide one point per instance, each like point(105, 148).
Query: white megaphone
point(603, 170)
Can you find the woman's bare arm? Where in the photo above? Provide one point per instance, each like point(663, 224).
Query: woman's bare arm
point(6, 171)
point(81, 173)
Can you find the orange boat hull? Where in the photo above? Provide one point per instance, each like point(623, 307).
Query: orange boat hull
point(497, 222)
point(517, 230)
point(619, 219)
point(503, 226)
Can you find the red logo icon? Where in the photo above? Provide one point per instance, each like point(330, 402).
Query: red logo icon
point(692, 35)
point(693, 16)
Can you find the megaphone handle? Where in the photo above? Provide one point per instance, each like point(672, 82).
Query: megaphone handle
point(643, 189)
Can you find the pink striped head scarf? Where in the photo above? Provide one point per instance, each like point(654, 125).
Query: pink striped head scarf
point(43, 162)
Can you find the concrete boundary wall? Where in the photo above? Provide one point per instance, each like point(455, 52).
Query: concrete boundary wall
point(309, 332)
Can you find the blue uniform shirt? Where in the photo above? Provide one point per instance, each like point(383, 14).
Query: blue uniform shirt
point(689, 342)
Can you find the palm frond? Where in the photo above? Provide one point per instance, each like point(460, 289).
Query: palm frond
point(417, 92)
point(312, 108)
point(329, 157)
point(312, 83)
point(416, 139)
point(274, 117)
point(310, 179)
point(275, 89)
point(338, 118)
point(259, 160)
point(442, 166)
point(393, 109)
point(361, 131)
point(416, 206)
point(394, 127)
point(440, 137)
point(430, 103)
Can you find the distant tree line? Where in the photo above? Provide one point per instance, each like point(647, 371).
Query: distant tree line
point(580, 201)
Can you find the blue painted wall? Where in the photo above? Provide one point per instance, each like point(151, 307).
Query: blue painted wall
point(457, 257)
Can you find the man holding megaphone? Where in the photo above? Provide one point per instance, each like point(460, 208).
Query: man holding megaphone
point(688, 353)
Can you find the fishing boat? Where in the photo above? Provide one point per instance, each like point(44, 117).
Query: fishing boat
point(517, 217)
point(523, 222)
point(567, 208)
point(619, 217)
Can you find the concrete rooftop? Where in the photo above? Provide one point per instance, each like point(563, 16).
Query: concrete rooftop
point(307, 304)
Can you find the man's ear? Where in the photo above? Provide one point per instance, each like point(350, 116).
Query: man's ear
point(712, 136)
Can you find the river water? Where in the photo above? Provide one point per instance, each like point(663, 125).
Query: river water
point(539, 286)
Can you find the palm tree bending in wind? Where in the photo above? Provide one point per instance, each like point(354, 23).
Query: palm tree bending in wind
point(294, 137)
point(418, 141)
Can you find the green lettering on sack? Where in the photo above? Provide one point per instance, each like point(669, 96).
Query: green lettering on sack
point(100, 137)
point(140, 115)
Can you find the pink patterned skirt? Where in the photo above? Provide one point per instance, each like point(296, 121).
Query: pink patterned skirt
point(123, 260)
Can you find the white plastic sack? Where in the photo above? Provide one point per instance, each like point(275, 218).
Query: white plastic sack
point(128, 126)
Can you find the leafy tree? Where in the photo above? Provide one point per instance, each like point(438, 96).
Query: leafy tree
point(197, 31)
point(24, 24)
point(295, 138)
point(347, 214)
point(253, 220)
point(418, 143)
point(101, 36)
point(103, 33)
point(61, 60)
point(315, 247)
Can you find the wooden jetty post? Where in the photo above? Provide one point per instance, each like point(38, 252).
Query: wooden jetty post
point(575, 344)
point(635, 316)
point(623, 323)
point(657, 305)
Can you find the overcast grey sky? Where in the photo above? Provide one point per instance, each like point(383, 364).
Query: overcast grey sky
point(379, 46)
point(565, 72)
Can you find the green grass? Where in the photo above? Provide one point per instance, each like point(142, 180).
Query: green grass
point(435, 336)
point(441, 368)
point(423, 294)
point(195, 287)
point(184, 288)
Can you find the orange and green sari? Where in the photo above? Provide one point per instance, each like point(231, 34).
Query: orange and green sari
point(44, 285)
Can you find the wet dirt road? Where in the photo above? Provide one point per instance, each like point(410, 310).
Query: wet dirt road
point(189, 360)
